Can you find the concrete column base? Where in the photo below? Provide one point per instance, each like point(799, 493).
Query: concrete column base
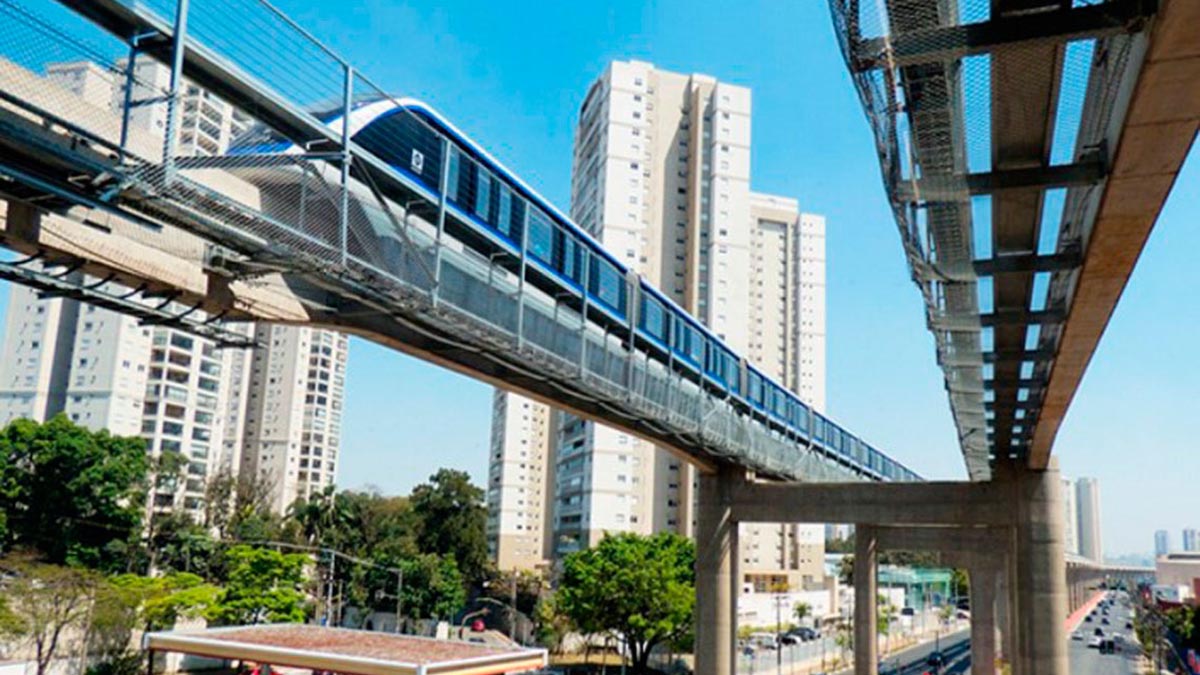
point(866, 598)
point(983, 620)
point(716, 577)
point(1040, 570)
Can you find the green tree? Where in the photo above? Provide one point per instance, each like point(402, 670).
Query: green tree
point(369, 524)
point(250, 518)
point(640, 588)
point(161, 601)
point(317, 516)
point(802, 611)
point(451, 520)
point(433, 587)
point(960, 583)
point(70, 492)
point(529, 586)
point(885, 615)
point(263, 586)
point(551, 623)
point(45, 601)
point(846, 570)
point(218, 501)
point(845, 637)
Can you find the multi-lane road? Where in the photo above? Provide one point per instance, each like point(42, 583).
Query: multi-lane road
point(1087, 660)
point(955, 649)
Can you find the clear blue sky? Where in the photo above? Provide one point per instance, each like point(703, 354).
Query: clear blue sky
point(513, 74)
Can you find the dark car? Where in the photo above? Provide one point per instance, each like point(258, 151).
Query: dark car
point(1104, 621)
point(1088, 618)
point(1128, 625)
point(1099, 632)
point(935, 660)
point(790, 639)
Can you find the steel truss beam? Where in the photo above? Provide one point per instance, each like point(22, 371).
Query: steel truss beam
point(1034, 355)
point(961, 187)
point(1013, 406)
point(1009, 263)
point(66, 285)
point(1022, 383)
point(1051, 26)
point(1016, 317)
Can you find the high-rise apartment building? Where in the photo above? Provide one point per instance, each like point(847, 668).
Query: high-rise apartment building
point(293, 418)
point(1070, 518)
point(1162, 543)
point(207, 123)
point(661, 177)
point(520, 485)
point(104, 371)
point(1191, 542)
point(178, 391)
point(1087, 498)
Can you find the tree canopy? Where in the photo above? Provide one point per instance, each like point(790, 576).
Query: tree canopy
point(452, 520)
point(264, 586)
point(70, 492)
point(641, 589)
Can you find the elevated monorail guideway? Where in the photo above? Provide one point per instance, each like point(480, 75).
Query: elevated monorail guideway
point(382, 218)
point(1027, 148)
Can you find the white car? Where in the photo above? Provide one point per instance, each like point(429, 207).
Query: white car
point(1076, 635)
point(1094, 643)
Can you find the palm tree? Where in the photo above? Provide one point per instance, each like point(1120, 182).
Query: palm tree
point(887, 614)
point(802, 610)
point(316, 515)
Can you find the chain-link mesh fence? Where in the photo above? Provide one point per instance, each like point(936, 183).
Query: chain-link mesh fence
point(270, 146)
point(990, 124)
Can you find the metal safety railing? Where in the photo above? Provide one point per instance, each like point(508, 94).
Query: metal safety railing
point(296, 192)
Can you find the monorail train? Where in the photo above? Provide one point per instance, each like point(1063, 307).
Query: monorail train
point(492, 208)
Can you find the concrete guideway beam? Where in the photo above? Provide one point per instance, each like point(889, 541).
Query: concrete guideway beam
point(1157, 133)
point(966, 546)
point(934, 503)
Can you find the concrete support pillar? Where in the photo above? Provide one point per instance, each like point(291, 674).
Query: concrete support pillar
point(1040, 572)
point(866, 594)
point(983, 620)
point(716, 577)
point(1003, 614)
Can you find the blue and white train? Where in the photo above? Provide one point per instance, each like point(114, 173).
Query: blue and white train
point(493, 210)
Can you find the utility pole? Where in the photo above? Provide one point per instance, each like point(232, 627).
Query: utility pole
point(512, 617)
point(329, 589)
point(778, 633)
point(399, 595)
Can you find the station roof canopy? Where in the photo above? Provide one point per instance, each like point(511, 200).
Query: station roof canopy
point(347, 651)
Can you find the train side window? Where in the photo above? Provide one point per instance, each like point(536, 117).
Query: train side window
point(695, 345)
point(653, 318)
point(452, 174)
point(755, 388)
point(607, 284)
point(483, 194)
point(504, 210)
point(568, 255)
point(539, 241)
